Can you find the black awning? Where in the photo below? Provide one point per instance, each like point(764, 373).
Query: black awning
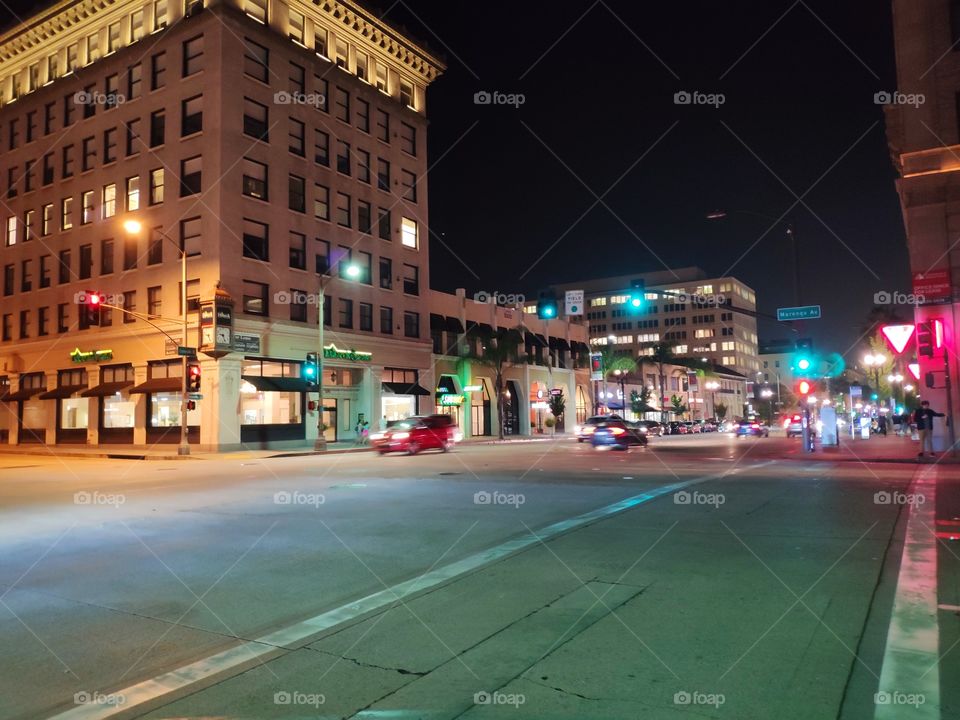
point(531, 339)
point(23, 394)
point(105, 389)
point(62, 391)
point(452, 324)
point(402, 388)
point(436, 321)
point(445, 385)
point(154, 385)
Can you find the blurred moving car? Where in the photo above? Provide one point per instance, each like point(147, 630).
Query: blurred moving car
point(650, 427)
point(752, 428)
point(675, 427)
point(693, 427)
point(793, 425)
point(584, 430)
point(430, 432)
point(618, 434)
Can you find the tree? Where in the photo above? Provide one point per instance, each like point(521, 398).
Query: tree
point(662, 355)
point(676, 405)
point(497, 352)
point(640, 401)
point(617, 364)
point(720, 410)
point(558, 404)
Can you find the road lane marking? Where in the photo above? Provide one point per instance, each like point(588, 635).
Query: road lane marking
point(911, 656)
point(949, 608)
point(300, 633)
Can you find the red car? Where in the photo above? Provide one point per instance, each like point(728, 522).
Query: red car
point(414, 434)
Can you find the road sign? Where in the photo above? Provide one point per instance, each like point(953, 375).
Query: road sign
point(186, 351)
point(194, 396)
point(574, 302)
point(804, 312)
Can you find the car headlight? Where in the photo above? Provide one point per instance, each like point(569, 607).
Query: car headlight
point(457, 436)
point(400, 436)
point(378, 436)
point(644, 430)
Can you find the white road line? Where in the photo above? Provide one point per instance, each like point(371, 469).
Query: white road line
point(910, 677)
point(949, 608)
point(295, 635)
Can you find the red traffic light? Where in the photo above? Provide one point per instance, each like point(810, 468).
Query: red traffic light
point(94, 298)
point(804, 387)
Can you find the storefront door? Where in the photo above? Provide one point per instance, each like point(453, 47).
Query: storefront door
point(330, 420)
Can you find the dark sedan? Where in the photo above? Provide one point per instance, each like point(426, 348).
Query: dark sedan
point(617, 434)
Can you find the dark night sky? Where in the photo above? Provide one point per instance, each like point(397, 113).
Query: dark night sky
point(799, 99)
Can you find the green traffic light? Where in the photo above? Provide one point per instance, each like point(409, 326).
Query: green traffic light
point(803, 364)
point(636, 302)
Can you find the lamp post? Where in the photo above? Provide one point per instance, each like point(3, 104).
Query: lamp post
point(133, 228)
point(352, 271)
point(622, 378)
point(712, 386)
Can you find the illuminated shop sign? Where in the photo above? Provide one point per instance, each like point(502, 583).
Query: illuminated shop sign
point(79, 356)
point(448, 399)
point(473, 388)
point(332, 352)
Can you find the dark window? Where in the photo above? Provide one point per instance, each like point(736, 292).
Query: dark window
point(364, 220)
point(298, 251)
point(296, 144)
point(193, 55)
point(386, 273)
point(345, 319)
point(63, 274)
point(323, 257)
point(255, 297)
point(363, 166)
point(106, 257)
point(343, 157)
point(63, 317)
point(411, 324)
point(133, 136)
point(383, 174)
point(9, 279)
point(7, 331)
point(255, 120)
point(44, 271)
point(130, 305)
point(256, 242)
point(43, 319)
point(408, 139)
point(298, 79)
point(256, 60)
point(24, 323)
point(383, 125)
point(383, 223)
point(86, 262)
point(298, 305)
point(366, 317)
point(255, 179)
point(131, 251)
point(343, 209)
point(155, 247)
point(191, 171)
point(321, 148)
point(109, 145)
point(89, 153)
point(341, 101)
point(191, 115)
point(89, 104)
point(158, 125)
point(158, 70)
point(411, 279)
point(134, 81)
point(297, 187)
point(363, 115)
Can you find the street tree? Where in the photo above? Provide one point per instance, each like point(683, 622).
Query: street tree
point(497, 352)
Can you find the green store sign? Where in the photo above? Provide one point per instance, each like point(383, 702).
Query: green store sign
point(332, 352)
point(79, 356)
point(448, 399)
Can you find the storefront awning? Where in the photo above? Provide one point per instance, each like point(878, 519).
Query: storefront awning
point(446, 385)
point(276, 384)
point(452, 324)
point(63, 391)
point(154, 385)
point(436, 321)
point(558, 343)
point(531, 339)
point(401, 388)
point(107, 389)
point(24, 394)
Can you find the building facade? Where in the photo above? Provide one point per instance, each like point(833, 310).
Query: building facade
point(924, 140)
point(279, 146)
point(711, 319)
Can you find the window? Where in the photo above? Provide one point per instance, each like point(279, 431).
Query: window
point(411, 279)
point(109, 202)
point(12, 182)
point(383, 223)
point(343, 157)
point(255, 240)
point(383, 175)
point(158, 125)
point(136, 25)
point(296, 144)
point(7, 332)
point(408, 139)
point(191, 115)
point(43, 320)
point(255, 120)
point(345, 319)
point(134, 81)
point(156, 186)
point(321, 202)
point(386, 273)
point(9, 279)
point(69, 108)
point(109, 145)
point(190, 239)
point(63, 269)
point(297, 191)
point(411, 324)
point(133, 193)
point(322, 93)
point(53, 68)
point(363, 166)
point(133, 136)
point(155, 301)
point(256, 60)
point(321, 148)
point(343, 209)
point(31, 125)
point(158, 71)
point(29, 225)
point(159, 14)
point(323, 257)
point(66, 213)
point(24, 324)
point(111, 91)
point(408, 181)
point(11, 236)
point(191, 171)
point(89, 153)
point(131, 251)
point(255, 179)
point(192, 56)
point(48, 116)
point(93, 48)
point(409, 233)
point(298, 79)
point(343, 53)
point(28, 176)
point(341, 102)
point(320, 42)
point(130, 305)
point(298, 251)
point(296, 21)
point(106, 258)
point(46, 219)
point(63, 317)
point(383, 125)
point(364, 219)
point(343, 259)
point(255, 297)
point(155, 246)
point(407, 96)
point(26, 275)
point(257, 9)
point(366, 317)
point(86, 262)
point(382, 78)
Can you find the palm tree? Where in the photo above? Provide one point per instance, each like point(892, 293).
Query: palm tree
point(662, 355)
point(619, 365)
point(497, 352)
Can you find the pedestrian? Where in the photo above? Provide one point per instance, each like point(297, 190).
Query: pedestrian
point(882, 425)
point(365, 433)
point(358, 430)
point(923, 417)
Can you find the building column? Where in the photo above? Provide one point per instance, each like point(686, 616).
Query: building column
point(428, 379)
point(140, 406)
point(523, 402)
point(93, 407)
point(376, 397)
point(220, 406)
point(13, 412)
point(50, 411)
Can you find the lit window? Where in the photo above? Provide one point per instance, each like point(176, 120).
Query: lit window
point(12, 230)
point(133, 193)
point(343, 53)
point(361, 60)
point(109, 200)
point(257, 9)
point(409, 233)
point(296, 27)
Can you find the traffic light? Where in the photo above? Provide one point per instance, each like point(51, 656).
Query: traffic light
point(804, 387)
point(925, 340)
point(546, 306)
point(193, 378)
point(637, 294)
point(93, 301)
point(310, 371)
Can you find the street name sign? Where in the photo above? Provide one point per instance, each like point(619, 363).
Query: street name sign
point(804, 312)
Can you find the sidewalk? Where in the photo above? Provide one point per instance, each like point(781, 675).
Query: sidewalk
point(879, 448)
point(169, 452)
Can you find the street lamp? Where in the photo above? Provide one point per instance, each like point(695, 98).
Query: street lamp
point(875, 361)
point(351, 271)
point(712, 386)
point(133, 228)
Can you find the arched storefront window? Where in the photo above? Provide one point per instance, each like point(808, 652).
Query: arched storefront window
point(449, 398)
point(581, 405)
point(539, 405)
point(480, 409)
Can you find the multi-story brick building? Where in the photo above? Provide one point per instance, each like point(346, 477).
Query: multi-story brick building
point(278, 143)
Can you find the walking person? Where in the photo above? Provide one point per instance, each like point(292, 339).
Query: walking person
point(923, 417)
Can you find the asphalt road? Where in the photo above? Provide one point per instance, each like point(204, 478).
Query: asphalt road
point(701, 577)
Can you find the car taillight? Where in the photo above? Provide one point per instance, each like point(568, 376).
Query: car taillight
point(617, 431)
